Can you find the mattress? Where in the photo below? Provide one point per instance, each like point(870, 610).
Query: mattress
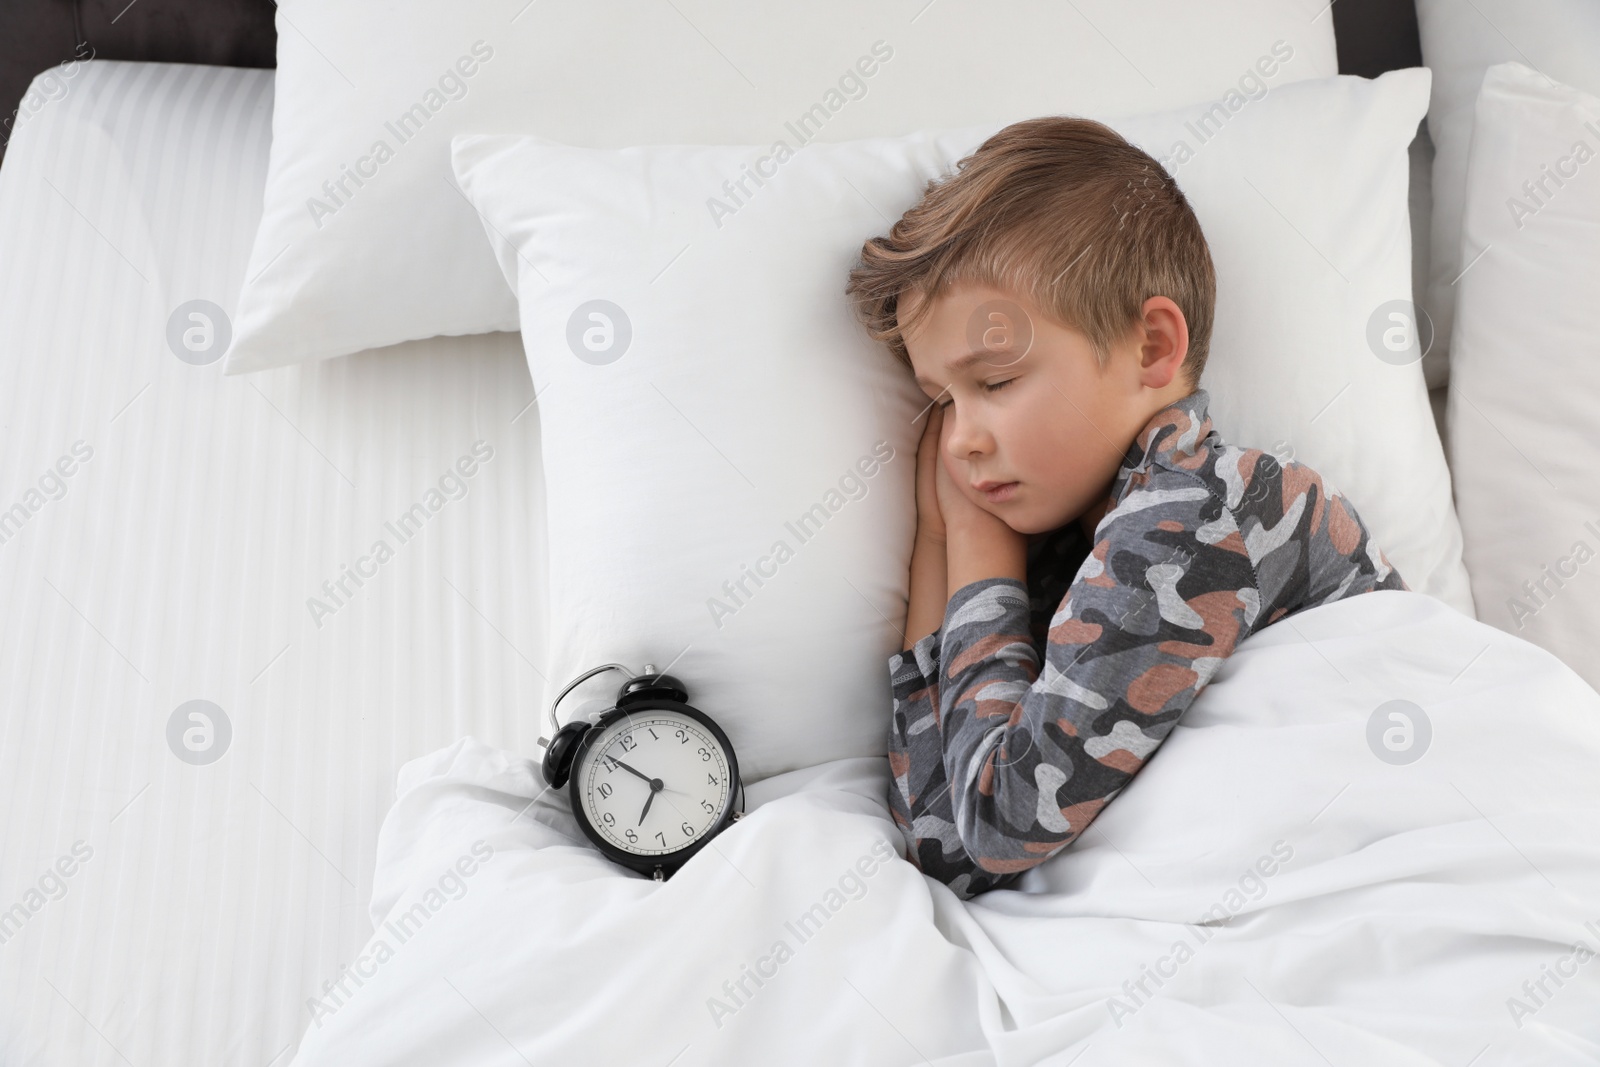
point(201, 549)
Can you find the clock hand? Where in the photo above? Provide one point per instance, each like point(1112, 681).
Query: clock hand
point(655, 787)
point(630, 770)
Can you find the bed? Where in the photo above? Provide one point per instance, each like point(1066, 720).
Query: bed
point(221, 818)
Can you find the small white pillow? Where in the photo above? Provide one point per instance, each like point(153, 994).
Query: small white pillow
point(730, 461)
point(1460, 40)
point(1525, 377)
point(365, 242)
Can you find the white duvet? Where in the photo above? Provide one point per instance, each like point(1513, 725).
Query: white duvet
point(1273, 888)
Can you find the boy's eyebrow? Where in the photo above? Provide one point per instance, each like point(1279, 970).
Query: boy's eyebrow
point(961, 363)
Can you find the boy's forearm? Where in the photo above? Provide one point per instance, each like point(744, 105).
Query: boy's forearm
point(925, 611)
point(983, 548)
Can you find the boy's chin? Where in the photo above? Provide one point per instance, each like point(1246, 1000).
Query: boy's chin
point(1031, 524)
point(1021, 523)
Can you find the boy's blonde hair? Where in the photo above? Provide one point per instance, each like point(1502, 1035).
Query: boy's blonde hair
point(1061, 210)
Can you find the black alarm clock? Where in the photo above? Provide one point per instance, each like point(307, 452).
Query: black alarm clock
point(651, 779)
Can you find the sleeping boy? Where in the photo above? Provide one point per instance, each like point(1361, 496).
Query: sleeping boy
point(1089, 549)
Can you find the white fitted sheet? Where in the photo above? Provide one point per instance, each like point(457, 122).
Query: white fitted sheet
point(177, 566)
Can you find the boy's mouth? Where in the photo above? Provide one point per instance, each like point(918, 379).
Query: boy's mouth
point(996, 492)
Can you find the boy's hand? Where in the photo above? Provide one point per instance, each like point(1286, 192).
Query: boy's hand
point(956, 508)
point(979, 544)
point(929, 592)
point(930, 519)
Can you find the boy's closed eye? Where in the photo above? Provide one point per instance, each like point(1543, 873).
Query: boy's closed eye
point(988, 387)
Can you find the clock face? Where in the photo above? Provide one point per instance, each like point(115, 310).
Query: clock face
point(654, 782)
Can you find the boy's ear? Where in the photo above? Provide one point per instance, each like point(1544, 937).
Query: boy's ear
point(1165, 341)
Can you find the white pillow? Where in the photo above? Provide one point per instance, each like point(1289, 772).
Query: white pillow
point(1460, 40)
point(745, 395)
point(395, 254)
point(1525, 381)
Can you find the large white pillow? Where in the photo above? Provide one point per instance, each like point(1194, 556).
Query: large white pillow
point(364, 241)
point(731, 392)
point(1460, 40)
point(1525, 381)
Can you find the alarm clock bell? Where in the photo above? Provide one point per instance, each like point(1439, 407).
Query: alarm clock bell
point(563, 746)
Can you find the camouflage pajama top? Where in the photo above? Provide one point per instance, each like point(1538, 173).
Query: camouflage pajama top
point(998, 766)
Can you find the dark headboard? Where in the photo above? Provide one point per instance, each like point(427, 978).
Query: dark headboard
point(37, 34)
point(1373, 36)
point(1376, 35)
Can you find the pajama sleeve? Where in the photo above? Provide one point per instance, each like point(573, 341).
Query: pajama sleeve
point(919, 795)
point(1034, 749)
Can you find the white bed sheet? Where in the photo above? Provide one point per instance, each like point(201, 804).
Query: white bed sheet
point(177, 566)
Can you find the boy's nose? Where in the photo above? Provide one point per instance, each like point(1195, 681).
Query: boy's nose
point(966, 438)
